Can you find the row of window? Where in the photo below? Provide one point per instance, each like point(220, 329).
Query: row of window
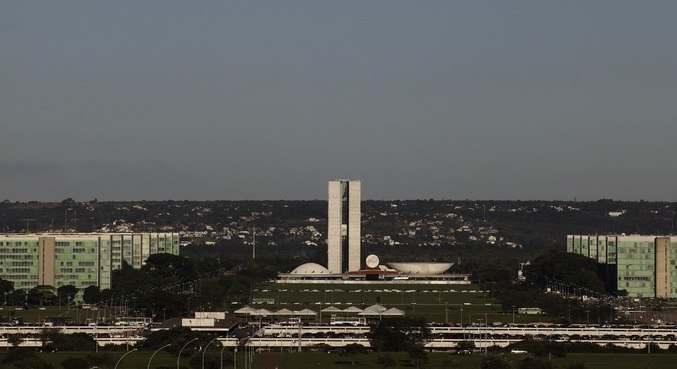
point(80, 263)
point(68, 243)
point(76, 270)
point(62, 257)
point(22, 263)
point(637, 285)
point(16, 251)
point(18, 270)
point(16, 243)
point(635, 278)
point(16, 277)
point(74, 250)
point(623, 250)
point(17, 257)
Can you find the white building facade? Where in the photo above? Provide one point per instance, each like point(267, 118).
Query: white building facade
point(343, 226)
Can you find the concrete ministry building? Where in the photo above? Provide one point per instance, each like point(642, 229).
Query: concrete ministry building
point(343, 221)
point(644, 266)
point(78, 259)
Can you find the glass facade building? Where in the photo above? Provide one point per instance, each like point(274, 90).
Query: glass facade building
point(81, 259)
point(644, 266)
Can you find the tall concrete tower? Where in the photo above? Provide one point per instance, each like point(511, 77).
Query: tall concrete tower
point(343, 233)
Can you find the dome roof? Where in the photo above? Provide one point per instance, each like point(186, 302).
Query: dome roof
point(310, 268)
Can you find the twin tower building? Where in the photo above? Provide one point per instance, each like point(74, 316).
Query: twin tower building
point(343, 226)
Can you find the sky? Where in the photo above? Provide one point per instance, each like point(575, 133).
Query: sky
point(232, 100)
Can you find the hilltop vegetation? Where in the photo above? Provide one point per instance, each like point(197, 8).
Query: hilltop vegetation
point(476, 233)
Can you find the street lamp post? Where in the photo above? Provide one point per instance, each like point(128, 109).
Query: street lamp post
point(235, 359)
point(122, 357)
point(184, 346)
point(251, 355)
point(156, 351)
point(462, 326)
point(111, 310)
point(222, 348)
point(479, 333)
point(205, 351)
point(486, 333)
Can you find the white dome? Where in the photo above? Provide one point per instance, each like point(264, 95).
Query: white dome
point(421, 268)
point(310, 268)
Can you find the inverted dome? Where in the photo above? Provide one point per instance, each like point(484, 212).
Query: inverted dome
point(421, 268)
point(310, 268)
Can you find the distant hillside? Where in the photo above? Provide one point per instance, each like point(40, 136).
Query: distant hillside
point(472, 232)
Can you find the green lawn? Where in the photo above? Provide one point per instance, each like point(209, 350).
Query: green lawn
point(309, 360)
point(137, 359)
point(624, 361)
point(452, 361)
point(437, 303)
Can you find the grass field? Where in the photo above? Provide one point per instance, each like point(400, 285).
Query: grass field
point(137, 359)
point(441, 303)
point(438, 303)
point(313, 360)
point(452, 361)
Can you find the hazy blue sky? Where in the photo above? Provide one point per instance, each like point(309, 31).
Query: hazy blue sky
point(269, 100)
